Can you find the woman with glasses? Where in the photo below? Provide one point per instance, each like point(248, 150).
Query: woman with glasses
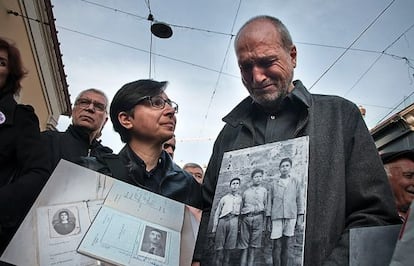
point(144, 117)
point(23, 166)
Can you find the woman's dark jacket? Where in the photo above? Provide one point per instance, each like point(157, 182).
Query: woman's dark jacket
point(71, 145)
point(24, 167)
point(167, 179)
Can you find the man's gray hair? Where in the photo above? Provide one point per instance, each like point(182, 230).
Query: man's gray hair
point(93, 90)
point(277, 23)
point(193, 165)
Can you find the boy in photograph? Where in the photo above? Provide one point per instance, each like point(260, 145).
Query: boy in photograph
point(252, 218)
point(225, 223)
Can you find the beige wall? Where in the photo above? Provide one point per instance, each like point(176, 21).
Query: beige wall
point(44, 87)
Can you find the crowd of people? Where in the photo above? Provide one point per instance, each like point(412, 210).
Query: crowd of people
point(347, 185)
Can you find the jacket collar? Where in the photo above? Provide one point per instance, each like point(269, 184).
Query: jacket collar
point(135, 162)
point(82, 134)
point(242, 113)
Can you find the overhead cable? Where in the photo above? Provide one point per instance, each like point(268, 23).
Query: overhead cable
point(222, 64)
point(393, 109)
point(145, 18)
point(346, 50)
point(377, 59)
point(145, 51)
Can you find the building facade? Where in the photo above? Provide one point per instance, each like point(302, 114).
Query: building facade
point(395, 133)
point(30, 25)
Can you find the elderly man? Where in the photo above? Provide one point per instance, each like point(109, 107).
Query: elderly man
point(399, 166)
point(89, 115)
point(195, 170)
point(169, 146)
point(347, 185)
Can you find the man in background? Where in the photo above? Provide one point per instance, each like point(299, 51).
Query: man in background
point(80, 140)
point(195, 170)
point(399, 166)
point(198, 173)
point(169, 146)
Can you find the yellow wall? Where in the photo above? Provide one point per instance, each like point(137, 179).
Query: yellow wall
point(41, 88)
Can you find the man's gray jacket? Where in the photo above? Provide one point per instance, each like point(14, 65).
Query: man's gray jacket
point(347, 184)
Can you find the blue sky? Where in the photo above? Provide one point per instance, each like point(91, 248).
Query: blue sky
point(360, 50)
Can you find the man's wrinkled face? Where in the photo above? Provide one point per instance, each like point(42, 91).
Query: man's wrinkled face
point(265, 64)
point(88, 113)
point(196, 172)
point(402, 182)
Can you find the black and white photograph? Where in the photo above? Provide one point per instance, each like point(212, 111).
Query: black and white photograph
point(258, 214)
point(154, 243)
point(59, 229)
point(64, 222)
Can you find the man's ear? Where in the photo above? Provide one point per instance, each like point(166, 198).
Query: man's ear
point(293, 55)
point(125, 120)
point(104, 123)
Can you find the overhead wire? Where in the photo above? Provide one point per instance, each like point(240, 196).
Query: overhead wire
point(114, 9)
point(145, 18)
point(395, 108)
point(376, 106)
point(352, 49)
point(376, 60)
point(346, 49)
point(349, 46)
point(145, 51)
point(204, 67)
point(222, 66)
point(408, 60)
point(150, 51)
point(409, 66)
point(204, 30)
point(147, 2)
point(17, 14)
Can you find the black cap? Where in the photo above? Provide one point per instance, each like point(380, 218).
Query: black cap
point(394, 155)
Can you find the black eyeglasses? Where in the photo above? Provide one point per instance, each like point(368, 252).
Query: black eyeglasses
point(85, 103)
point(158, 102)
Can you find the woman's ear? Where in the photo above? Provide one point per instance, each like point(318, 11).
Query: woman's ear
point(125, 120)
